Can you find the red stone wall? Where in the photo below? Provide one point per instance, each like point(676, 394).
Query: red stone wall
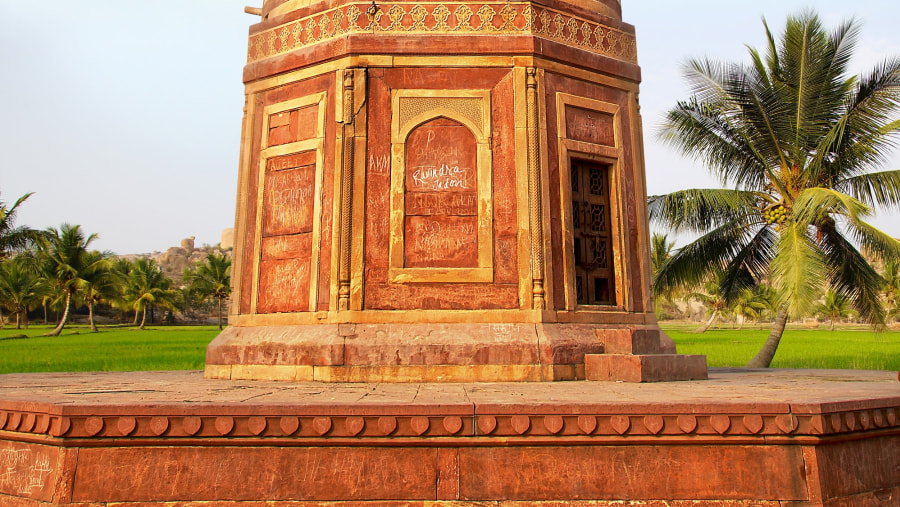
point(440, 226)
point(601, 133)
point(287, 200)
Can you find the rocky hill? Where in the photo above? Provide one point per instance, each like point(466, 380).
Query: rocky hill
point(174, 260)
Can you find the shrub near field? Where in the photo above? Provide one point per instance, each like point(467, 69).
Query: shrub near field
point(854, 348)
point(113, 349)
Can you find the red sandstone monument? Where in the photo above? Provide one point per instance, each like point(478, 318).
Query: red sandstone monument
point(445, 193)
point(435, 200)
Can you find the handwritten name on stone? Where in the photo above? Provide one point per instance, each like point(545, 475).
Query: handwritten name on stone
point(284, 285)
point(441, 158)
point(441, 242)
point(380, 165)
point(429, 203)
point(440, 178)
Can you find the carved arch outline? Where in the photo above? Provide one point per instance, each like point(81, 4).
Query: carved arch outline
point(440, 104)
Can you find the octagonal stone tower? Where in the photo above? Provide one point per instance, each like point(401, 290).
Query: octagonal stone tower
point(442, 191)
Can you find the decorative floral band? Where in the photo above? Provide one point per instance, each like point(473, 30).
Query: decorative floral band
point(496, 18)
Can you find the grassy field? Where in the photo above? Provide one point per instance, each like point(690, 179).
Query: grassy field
point(184, 348)
point(112, 349)
point(850, 347)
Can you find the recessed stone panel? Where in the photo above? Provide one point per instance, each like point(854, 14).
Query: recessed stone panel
point(287, 247)
point(283, 286)
point(292, 126)
point(590, 126)
point(288, 201)
point(441, 242)
point(441, 227)
point(293, 161)
point(440, 157)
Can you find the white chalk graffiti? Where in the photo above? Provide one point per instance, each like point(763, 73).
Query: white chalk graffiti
point(380, 164)
point(21, 471)
point(437, 242)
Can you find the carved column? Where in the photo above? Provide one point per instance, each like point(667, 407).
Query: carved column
point(534, 189)
point(346, 239)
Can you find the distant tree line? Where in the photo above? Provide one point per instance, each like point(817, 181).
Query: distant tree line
point(56, 272)
point(759, 304)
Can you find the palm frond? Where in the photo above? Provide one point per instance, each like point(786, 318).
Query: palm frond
point(798, 268)
point(849, 273)
point(881, 188)
point(696, 262)
point(749, 265)
point(699, 210)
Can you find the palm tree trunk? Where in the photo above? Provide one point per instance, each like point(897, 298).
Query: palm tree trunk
point(91, 317)
point(62, 322)
point(765, 355)
point(144, 318)
point(832, 324)
point(18, 324)
point(135, 317)
point(712, 319)
point(44, 306)
point(220, 314)
point(1, 319)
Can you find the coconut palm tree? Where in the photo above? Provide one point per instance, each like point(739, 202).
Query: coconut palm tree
point(13, 238)
point(712, 298)
point(891, 287)
point(20, 288)
point(749, 305)
point(796, 141)
point(67, 261)
point(98, 283)
point(834, 306)
point(212, 279)
point(660, 251)
point(147, 286)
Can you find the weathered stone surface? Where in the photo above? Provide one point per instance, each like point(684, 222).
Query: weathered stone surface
point(408, 166)
point(645, 368)
point(170, 438)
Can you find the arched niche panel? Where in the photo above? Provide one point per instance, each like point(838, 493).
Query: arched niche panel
point(441, 206)
point(441, 196)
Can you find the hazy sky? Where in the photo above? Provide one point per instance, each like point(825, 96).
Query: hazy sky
point(124, 116)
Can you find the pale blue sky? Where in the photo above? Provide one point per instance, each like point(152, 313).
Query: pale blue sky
point(124, 115)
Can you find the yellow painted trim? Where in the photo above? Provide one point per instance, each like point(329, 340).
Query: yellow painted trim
point(318, 145)
point(242, 204)
point(523, 240)
point(569, 149)
point(484, 272)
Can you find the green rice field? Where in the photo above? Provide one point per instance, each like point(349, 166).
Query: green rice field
point(111, 349)
point(184, 348)
point(849, 347)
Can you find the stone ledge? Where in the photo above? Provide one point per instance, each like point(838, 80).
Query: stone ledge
point(645, 368)
point(799, 438)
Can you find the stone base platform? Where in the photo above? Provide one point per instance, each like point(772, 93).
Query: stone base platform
point(741, 438)
point(454, 353)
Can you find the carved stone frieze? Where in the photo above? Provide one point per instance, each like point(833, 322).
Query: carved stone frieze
point(444, 18)
point(387, 425)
